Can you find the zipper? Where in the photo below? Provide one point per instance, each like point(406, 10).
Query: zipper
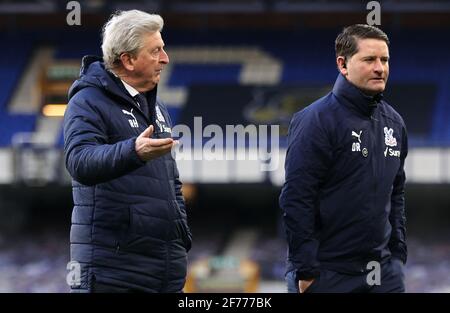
point(375, 165)
point(374, 150)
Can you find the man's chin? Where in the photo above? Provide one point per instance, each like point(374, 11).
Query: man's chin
point(375, 90)
point(149, 87)
point(378, 85)
point(156, 81)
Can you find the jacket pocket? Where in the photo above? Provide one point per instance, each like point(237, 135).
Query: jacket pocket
point(183, 233)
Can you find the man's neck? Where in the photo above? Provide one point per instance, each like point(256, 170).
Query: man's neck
point(132, 91)
point(128, 86)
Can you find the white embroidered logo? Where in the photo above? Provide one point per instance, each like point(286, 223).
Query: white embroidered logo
point(159, 115)
point(355, 134)
point(356, 146)
point(163, 128)
point(389, 139)
point(133, 122)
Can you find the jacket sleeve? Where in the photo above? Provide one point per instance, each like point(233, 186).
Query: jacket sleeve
point(307, 162)
point(89, 158)
point(397, 217)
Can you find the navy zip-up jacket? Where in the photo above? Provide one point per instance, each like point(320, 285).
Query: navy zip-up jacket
point(343, 197)
point(129, 225)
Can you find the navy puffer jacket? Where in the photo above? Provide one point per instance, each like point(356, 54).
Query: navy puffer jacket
point(343, 200)
point(129, 225)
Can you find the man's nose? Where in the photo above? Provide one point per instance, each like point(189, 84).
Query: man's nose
point(164, 57)
point(379, 68)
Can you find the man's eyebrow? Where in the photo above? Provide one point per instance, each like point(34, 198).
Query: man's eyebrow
point(158, 47)
point(374, 57)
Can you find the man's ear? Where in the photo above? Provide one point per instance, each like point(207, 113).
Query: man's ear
point(341, 62)
point(127, 61)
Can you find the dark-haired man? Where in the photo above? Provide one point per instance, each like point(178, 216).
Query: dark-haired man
point(343, 199)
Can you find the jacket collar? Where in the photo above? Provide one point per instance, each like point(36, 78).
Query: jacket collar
point(354, 98)
point(93, 73)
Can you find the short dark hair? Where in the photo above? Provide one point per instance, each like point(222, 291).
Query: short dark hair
point(346, 43)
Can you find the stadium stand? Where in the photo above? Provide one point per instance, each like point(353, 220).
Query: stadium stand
point(12, 65)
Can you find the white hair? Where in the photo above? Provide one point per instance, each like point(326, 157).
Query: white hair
point(124, 31)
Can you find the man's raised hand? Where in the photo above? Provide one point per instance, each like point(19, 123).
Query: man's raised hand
point(148, 148)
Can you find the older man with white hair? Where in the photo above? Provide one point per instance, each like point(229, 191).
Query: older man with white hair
point(129, 226)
